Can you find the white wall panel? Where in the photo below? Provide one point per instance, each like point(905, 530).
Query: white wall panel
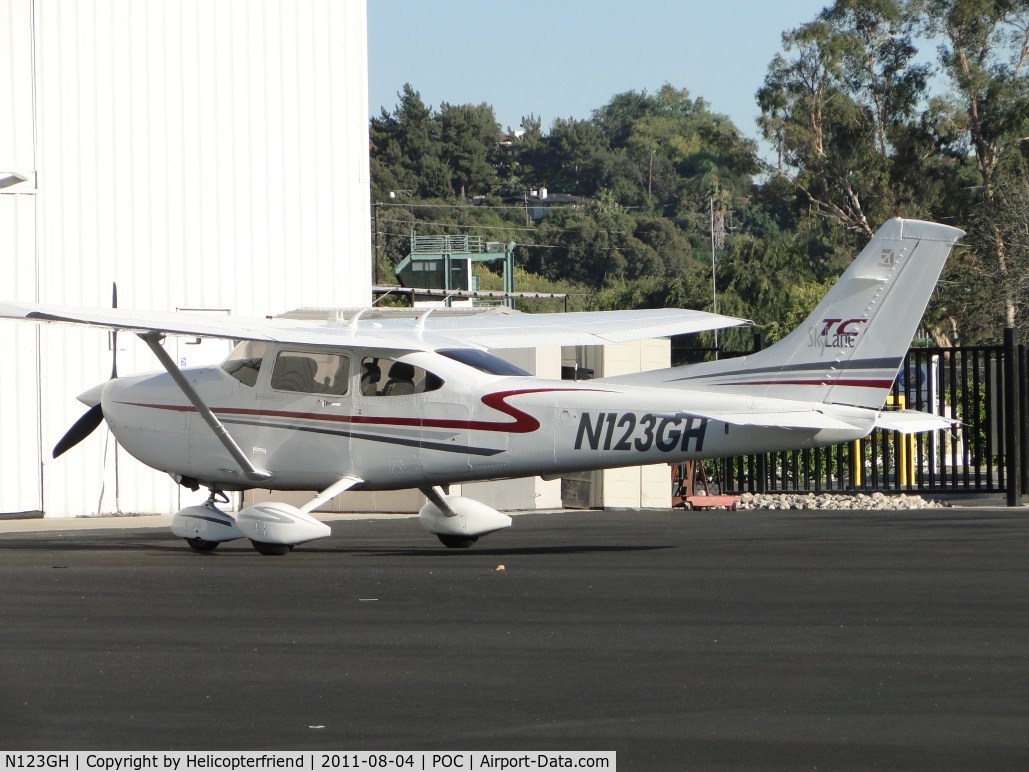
point(201, 153)
point(16, 142)
point(19, 383)
point(20, 452)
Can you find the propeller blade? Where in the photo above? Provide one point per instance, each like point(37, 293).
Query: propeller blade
point(92, 418)
point(81, 429)
point(114, 333)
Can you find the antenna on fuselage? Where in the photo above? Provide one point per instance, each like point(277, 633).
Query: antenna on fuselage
point(352, 324)
point(419, 323)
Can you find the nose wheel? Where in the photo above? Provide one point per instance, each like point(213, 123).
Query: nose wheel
point(273, 528)
point(457, 542)
point(205, 527)
point(202, 545)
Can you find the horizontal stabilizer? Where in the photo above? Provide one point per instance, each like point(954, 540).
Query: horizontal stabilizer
point(788, 419)
point(912, 421)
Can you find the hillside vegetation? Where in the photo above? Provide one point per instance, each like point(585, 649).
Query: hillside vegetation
point(872, 109)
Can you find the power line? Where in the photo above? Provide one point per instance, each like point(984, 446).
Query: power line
point(461, 225)
point(414, 204)
point(518, 243)
point(490, 227)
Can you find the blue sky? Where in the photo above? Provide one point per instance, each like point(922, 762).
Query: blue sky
point(565, 58)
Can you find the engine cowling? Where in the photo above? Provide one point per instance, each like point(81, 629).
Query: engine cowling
point(272, 522)
point(206, 523)
point(471, 518)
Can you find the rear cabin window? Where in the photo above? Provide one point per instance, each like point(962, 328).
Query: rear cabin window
point(482, 361)
point(382, 377)
point(311, 372)
point(244, 363)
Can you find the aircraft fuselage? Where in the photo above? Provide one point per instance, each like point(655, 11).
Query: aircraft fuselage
point(454, 423)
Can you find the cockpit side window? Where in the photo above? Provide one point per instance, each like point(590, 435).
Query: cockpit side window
point(244, 363)
point(311, 372)
point(383, 377)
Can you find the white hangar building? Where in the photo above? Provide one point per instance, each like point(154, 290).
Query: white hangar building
point(203, 154)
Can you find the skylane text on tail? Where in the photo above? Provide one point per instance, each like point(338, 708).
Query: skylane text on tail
point(360, 402)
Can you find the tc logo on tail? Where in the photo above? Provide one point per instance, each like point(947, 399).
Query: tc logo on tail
point(838, 333)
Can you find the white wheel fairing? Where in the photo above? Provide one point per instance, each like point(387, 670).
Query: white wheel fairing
point(273, 522)
point(469, 518)
point(205, 523)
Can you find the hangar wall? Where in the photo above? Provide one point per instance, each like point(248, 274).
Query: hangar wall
point(203, 155)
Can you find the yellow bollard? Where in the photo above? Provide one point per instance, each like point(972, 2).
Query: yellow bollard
point(905, 448)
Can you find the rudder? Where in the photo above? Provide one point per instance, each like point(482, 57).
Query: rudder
point(850, 348)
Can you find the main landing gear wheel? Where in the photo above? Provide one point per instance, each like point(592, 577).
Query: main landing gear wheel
point(267, 548)
point(457, 542)
point(202, 545)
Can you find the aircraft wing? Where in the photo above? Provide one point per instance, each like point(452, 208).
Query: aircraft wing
point(581, 328)
point(487, 331)
point(169, 322)
point(210, 326)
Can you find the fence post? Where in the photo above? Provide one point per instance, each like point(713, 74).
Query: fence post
point(1023, 378)
point(761, 467)
point(1012, 419)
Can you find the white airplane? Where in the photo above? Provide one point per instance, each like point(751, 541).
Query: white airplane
point(379, 404)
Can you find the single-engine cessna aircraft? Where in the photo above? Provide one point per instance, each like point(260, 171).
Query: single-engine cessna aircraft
point(375, 404)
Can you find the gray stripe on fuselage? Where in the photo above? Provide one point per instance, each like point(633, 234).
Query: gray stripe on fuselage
point(885, 363)
point(411, 443)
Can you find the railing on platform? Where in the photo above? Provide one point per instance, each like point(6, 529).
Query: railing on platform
point(444, 245)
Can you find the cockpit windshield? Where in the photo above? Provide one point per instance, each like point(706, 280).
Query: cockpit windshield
point(244, 363)
point(483, 361)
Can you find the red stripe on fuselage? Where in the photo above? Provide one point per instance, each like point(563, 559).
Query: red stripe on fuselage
point(523, 422)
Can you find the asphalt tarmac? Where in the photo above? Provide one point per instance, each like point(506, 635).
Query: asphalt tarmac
point(748, 640)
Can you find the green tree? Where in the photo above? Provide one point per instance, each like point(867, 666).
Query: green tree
point(1008, 216)
point(985, 53)
point(469, 143)
point(405, 148)
point(836, 110)
point(572, 158)
point(668, 242)
point(681, 154)
point(877, 53)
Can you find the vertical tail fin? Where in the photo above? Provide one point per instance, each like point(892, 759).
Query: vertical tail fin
point(849, 350)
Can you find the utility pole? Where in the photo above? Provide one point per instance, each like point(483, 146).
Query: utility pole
point(714, 287)
point(375, 245)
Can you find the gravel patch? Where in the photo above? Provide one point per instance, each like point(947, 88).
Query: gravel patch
point(842, 501)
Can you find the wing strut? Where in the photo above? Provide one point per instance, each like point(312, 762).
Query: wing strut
point(153, 340)
point(435, 494)
point(342, 484)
